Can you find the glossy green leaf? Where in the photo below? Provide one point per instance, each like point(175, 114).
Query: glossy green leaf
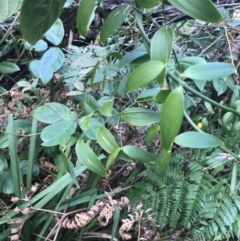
point(53, 134)
point(88, 104)
point(220, 85)
point(8, 67)
point(151, 133)
point(106, 139)
point(209, 71)
point(171, 117)
point(128, 58)
point(106, 108)
point(148, 3)
point(92, 126)
point(161, 96)
point(161, 45)
point(51, 61)
point(56, 33)
point(139, 155)
point(194, 139)
point(84, 13)
point(86, 156)
point(69, 168)
point(144, 74)
point(186, 62)
point(162, 162)
point(139, 116)
point(53, 112)
point(150, 93)
point(36, 19)
point(112, 157)
point(114, 21)
point(203, 10)
point(40, 46)
point(8, 8)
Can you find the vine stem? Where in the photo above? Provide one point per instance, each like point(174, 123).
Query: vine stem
point(190, 89)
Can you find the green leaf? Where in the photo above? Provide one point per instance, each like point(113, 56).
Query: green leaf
point(91, 129)
point(86, 155)
point(69, 168)
point(36, 19)
point(53, 112)
point(161, 45)
point(162, 162)
point(144, 74)
point(220, 85)
point(171, 117)
point(148, 3)
point(208, 71)
point(112, 157)
point(152, 133)
point(194, 139)
point(128, 58)
point(139, 116)
point(56, 33)
point(88, 104)
point(85, 16)
point(106, 139)
point(8, 8)
point(51, 61)
point(114, 21)
point(40, 46)
point(139, 155)
point(53, 134)
point(161, 96)
point(150, 93)
point(8, 68)
point(203, 10)
point(106, 108)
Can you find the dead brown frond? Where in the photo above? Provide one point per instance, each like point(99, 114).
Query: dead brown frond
point(104, 210)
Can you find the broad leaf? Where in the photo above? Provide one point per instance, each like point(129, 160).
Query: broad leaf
point(53, 112)
point(139, 116)
point(106, 139)
point(194, 139)
point(56, 33)
point(161, 96)
point(86, 156)
point(106, 108)
point(220, 85)
point(36, 19)
point(203, 10)
point(8, 68)
point(92, 126)
point(148, 3)
point(69, 167)
point(161, 45)
point(128, 58)
point(52, 135)
point(162, 162)
point(88, 104)
point(139, 155)
point(114, 21)
point(40, 46)
point(85, 15)
point(144, 74)
point(171, 117)
point(112, 157)
point(150, 93)
point(209, 71)
point(8, 8)
point(51, 61)
point(152, 133)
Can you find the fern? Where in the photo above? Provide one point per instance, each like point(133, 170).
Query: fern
point(190, 198)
